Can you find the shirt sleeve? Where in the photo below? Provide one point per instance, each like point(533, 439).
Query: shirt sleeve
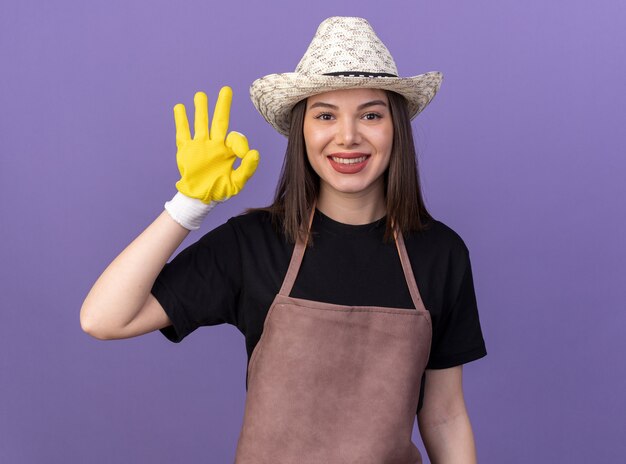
point(201, 285)
point(458, 337)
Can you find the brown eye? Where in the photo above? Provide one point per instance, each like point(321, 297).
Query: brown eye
point(324, 116)
point(372, 116)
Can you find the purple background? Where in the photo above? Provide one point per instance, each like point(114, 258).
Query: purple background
point(521, 152)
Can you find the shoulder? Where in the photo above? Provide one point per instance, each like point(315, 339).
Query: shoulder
point(255, 228)
point(234, 229)
point(437, 249)
point(253, 217)
point(439, 234)
point(252, 222)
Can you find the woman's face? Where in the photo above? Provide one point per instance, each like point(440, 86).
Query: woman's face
point(348, 136)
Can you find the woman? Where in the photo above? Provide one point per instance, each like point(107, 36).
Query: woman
point(323, 283)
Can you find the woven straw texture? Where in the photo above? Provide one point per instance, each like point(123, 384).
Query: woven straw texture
point(348, 46)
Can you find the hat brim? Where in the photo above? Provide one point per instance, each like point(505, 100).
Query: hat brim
point(275, 95)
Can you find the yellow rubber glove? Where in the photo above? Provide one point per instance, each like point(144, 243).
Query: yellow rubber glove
point(206, 161)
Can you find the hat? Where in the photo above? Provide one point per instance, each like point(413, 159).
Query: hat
point(344, 53)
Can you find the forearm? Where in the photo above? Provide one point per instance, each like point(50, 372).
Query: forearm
point(122, 289)
point(207, 178)
point(449, 440)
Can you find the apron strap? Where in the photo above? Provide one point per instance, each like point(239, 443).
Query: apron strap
point(300, 247)
point(408, 271)
point(296, 258)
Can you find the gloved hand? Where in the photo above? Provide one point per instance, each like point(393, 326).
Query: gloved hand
point(206, 161)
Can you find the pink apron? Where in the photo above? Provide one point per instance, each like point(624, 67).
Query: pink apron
point(335, 384)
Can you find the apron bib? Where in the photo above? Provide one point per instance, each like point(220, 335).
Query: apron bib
point(335, 384)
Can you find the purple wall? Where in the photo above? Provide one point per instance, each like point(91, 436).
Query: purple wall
point(522, 153)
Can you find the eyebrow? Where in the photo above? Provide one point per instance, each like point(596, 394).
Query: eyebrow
point(360, 107)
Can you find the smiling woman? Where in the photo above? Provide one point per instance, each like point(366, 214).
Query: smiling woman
point(350, 335)
point(348, 136)
point(301, 182)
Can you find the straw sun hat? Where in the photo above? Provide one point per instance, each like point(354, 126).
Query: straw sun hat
point(344, 53)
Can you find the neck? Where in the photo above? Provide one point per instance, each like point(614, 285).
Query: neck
point(352, 208)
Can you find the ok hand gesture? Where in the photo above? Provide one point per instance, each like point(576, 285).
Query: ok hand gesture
point(206, 161)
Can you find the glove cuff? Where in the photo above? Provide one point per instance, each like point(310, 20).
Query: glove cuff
point(188, 212)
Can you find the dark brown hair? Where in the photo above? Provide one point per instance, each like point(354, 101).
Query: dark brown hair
point(298, 185)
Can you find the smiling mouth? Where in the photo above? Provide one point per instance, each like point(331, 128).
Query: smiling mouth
point(349, 162)
point(360, 159)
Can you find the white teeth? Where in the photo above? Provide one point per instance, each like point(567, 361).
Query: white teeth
point(349, 160)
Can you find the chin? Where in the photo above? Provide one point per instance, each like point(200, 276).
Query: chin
point(351, 187)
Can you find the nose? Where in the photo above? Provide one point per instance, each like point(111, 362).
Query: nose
point(348, 133)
